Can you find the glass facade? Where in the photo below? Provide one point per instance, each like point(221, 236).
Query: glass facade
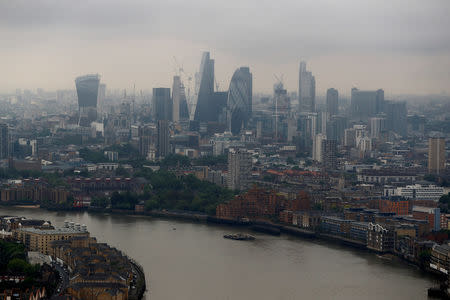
point(239, 102)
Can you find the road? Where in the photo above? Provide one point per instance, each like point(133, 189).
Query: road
point(63, 279)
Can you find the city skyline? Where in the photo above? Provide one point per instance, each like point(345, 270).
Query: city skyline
point(138, 40)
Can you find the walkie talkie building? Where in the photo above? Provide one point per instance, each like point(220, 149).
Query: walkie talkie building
point(87, 92)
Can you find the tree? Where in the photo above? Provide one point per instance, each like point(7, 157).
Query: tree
point(17, 265)
point(290, 161)
point(445, 199)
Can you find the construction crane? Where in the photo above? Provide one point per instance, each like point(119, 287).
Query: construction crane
point(217, 84)
point(278, 86)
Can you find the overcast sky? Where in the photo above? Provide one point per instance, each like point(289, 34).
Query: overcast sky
point(402, 46)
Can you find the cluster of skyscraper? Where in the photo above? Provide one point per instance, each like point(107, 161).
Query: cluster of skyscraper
point(314, 132)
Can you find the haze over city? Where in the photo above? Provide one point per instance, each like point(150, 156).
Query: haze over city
point(245, 149)
point(400, 46)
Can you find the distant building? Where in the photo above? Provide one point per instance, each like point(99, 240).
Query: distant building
point(380, 238)
point(101, 98)
point(4, 141)
point(317, 147)
point(148, 140)
point(239, 102)
point(306, 89)
point(436, 155)
point(336, 128)
point(430, 214)
point(87, 91)
point(162, 104)
point(239, 169)
point(397, 205)
point(440, 258)
point(366, 104)
point(332, 102)
point(377, 125)
point(204, 90)
point(396, 117)
point(416, 192)
point(350, 137)
point(163, 138)
point(177, 94)
point(40, 239)
point(329, 154)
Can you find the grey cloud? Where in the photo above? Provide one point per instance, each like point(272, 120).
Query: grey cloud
point(250, 31)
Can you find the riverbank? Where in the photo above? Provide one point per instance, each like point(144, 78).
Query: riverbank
point(202, 265)
point(258, 226)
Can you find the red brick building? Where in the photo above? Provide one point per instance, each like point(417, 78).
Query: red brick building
point(399, 207)
point(259, 203)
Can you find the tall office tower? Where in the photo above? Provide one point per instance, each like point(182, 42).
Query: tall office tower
point(306, 90)
point(307, 125)
point(317, 147)
point(148, 140)
point(87, 91)
point(322, 120)
point(291, 128)
point(350, 137)
point(396, 117)
point(239, 169)
point(162, 104)
point(239, 102)
point(204, 90)
point(436, 154)
point(177, 92)
point(184, 110)
point(329, 154)
point(163, 139)
point(101, 98)
point(332, 102)
point(366, 104)
point(4, 141)
point(336, 127)
point(281, 101)
point(377, 125)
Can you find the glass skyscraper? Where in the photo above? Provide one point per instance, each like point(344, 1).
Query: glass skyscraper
point(306, 90)
point(204, 90)
point(239, 102)
point(87, 92)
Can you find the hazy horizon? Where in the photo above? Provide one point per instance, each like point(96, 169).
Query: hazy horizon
point(402, 47)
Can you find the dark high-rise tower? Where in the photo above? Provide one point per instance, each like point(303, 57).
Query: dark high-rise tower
point(162, 104)
point(4, 141)
point(329, 153)
point(332, 102)
point(205, 90)
point(396, 115)
point(163, 138)
point(366, 104)
point(87, 91)
point(306, 90)
point(239, 102)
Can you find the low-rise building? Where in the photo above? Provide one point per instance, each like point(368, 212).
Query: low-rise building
point(358, 231)
point(307, 219)
point(430, 214)
point(440, 258)
point(380, 238)
point(416, 192)
point(335, 226)
point(40, 239)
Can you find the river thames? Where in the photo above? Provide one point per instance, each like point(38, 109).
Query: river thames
point(187, 261)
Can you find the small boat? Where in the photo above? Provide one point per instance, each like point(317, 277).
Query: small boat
point(239, 236)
